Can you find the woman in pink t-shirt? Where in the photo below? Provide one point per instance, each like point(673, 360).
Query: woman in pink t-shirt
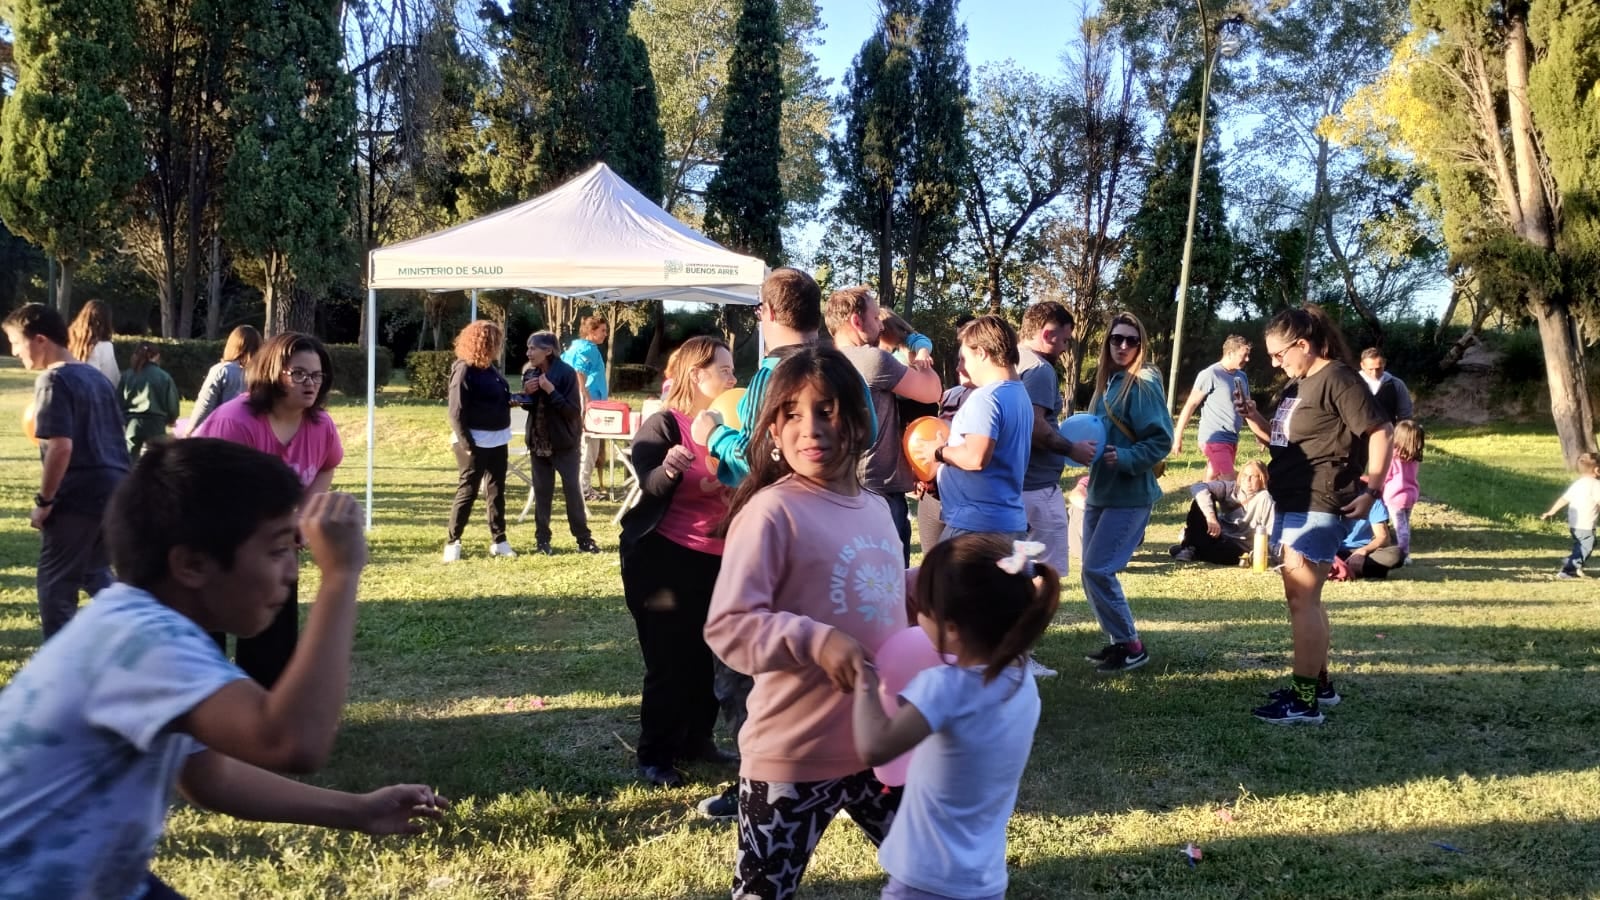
point(282, 412)
point(670, 562)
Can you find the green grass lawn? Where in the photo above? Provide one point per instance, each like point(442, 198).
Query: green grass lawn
point(512, 685)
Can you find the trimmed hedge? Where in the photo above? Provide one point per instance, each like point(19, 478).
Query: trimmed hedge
point(189, 361)
point(429, 373)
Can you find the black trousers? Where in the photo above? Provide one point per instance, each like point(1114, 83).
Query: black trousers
point(1221, 550)
point(485, 466)
point(265, 656)
point(668, 590)
point(72, 557)
point(545, 469)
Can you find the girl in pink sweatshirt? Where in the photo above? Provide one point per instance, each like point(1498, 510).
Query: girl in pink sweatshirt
point(1400, 487)
point(812, 579)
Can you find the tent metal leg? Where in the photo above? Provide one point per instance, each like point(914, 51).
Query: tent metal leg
point(372, 389)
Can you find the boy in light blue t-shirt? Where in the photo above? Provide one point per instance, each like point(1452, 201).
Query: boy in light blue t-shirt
point(132, 698)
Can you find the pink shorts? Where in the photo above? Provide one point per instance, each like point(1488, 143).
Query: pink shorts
point(1220, 456)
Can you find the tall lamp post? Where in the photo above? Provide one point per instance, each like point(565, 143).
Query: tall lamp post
point(1216, 45)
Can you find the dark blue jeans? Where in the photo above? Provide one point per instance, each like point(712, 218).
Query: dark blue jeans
point(1582, 547)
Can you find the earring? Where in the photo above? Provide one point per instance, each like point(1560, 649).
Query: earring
point(776, 455)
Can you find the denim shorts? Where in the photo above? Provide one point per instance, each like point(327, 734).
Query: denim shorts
point(1314, 535)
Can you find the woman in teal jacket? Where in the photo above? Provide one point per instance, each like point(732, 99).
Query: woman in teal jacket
point(1122, 484)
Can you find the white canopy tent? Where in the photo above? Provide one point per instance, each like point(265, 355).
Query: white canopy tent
point(593, 238)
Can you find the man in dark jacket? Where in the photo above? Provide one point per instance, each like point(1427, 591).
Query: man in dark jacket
point(555, 429)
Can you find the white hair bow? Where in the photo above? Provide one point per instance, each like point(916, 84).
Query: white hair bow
point(1023, 553)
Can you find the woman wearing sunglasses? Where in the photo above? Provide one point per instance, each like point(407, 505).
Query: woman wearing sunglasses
point(282, 412)
point(1326, 432)
point(1122, 485)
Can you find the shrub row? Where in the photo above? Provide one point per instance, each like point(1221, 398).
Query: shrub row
point(429, 373)
point(189, 361)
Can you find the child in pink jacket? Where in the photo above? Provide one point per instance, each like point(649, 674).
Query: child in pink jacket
point(812, 579)
point(1400, 487)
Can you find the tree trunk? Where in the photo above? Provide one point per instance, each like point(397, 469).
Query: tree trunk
point(1314, 216)
point(658, 337)
point(994, 285)
point(67, 268)
point(886, 251)
point(913, 252)
point(214, 291)
point(1563, 365)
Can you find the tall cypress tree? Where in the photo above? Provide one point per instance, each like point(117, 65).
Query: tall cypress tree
point(575, 87)
point(69, 147)
point(939, 149)
point(1147, 283)
point(289, 182)
point(744, 202)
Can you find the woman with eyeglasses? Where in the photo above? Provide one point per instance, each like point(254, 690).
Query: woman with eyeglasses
point(1327, 430)
point(282, 412)
point(1129, 397)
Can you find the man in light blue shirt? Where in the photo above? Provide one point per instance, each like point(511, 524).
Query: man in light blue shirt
point(1214, 390)
point(980, 470)
point(584, 355)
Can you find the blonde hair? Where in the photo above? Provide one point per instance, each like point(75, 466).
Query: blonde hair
point(1408, 440)
point(1259, 467)
point(92, 326)
point(695, 353)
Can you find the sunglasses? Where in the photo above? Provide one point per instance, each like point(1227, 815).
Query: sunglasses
point(1125, 341)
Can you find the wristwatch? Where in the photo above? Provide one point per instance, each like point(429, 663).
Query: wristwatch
point(41, 500)
point(938, 455)
point(1374, 492)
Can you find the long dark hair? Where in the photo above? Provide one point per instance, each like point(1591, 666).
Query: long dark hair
point(825, 369)
point(998, 615)
point(143, 355)
point(1311, 324)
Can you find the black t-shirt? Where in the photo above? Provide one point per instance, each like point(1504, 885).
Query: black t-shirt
point(1319, 449)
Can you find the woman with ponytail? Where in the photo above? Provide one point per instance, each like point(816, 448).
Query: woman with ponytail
point(984, 601)
point(1330, 454)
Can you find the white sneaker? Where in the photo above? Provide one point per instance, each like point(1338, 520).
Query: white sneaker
point(1040, 670)
point(501, 549)
point(452, 551)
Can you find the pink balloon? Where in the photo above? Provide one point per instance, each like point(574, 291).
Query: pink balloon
point(899, 660)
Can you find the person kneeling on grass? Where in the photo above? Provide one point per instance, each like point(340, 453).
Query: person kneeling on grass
point(132, 697)
point(1369, 549)
point(1225, 517)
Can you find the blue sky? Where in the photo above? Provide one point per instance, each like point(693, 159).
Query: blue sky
point(1032, 32)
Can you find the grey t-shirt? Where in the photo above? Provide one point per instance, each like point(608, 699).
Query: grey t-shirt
point(75, 401)
point(1219, 420)
point(1044, 390)
point(883, 467)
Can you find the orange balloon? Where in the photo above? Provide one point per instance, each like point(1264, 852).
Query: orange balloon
point(27, 423)
point(727, 406)
point(926, 431)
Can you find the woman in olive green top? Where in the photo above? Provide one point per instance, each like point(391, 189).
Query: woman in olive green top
point(149, 398)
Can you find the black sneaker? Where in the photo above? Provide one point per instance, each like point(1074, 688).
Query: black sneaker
point(587, 545)
point(661, 776)
point(1289, 711)
point(1103, 654)
point(545, 548)
point(1121, 660)
point(1326, 696)
point(722, 808)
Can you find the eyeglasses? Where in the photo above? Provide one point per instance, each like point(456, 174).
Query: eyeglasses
point(301, 376)
point(1277, 358)
point(1125, 341)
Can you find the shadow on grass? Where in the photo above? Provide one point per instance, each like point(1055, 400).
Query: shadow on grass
point(1503, 494)
point(1538, 859)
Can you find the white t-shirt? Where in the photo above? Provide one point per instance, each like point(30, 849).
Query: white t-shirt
point(1583, 503)
point(87, 763)
point(104, 357)
point(949, 837)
